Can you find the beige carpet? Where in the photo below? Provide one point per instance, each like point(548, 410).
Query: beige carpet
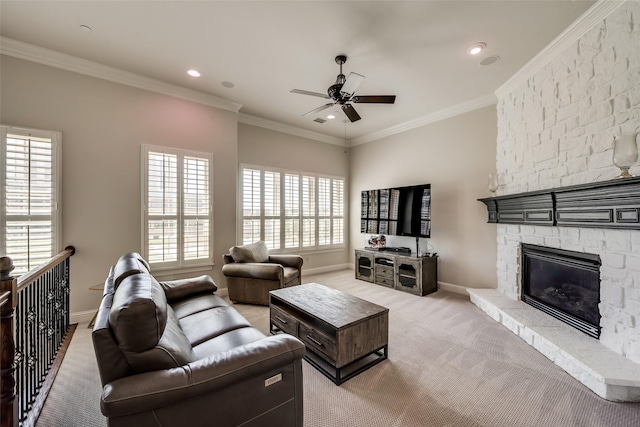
point(449, 365)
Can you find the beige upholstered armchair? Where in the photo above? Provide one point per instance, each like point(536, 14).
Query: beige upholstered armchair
point(251, 272)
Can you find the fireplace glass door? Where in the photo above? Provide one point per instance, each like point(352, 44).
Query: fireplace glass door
point(564, 284)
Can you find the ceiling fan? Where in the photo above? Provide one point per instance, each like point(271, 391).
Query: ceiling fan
point(342, 92)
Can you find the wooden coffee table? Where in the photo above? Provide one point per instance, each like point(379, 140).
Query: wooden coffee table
point(344, 335)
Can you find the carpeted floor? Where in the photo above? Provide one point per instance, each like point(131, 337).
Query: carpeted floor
point(449, 365)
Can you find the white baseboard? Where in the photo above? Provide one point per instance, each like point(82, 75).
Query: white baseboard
point(82, 316)
point(327, 269)
point(456, 289)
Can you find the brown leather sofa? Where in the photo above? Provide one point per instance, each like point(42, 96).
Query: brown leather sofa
point(173, 353)
point(251, 272)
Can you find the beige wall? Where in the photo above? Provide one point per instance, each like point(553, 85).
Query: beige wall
point(263, 147)
point(455, 156)
point(103, 125)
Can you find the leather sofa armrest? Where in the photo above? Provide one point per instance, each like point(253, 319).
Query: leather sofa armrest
point(178, 289)
point(294, 261)
point(254, 270)
point(151, 390)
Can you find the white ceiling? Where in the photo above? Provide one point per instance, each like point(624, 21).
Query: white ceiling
point(415, 50)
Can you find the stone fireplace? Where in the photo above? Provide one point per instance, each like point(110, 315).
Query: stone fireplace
point(568, 253)
point(556, 122)
point(564, 284)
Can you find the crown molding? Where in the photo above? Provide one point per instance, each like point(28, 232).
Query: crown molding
point(454, 110)
point(56, 59)
point(292, 130)
point(589, 19)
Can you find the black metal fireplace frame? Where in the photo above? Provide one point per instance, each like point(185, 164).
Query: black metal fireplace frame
point(581, 260)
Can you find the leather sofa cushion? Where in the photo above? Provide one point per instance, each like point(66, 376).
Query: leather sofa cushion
point(227, 341)
point(208, 324)
point(127, 265)
point(138, 315)
point(176, 290)
point(172, 350)
point(253, 252)
point(191, 306)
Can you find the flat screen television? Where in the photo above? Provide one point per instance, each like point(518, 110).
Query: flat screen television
point(399, 211)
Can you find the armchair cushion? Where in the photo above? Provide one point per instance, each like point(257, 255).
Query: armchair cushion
point(253, 252)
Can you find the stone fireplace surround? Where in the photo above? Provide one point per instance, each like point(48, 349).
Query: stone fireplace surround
point(544, 218)
point(556, 120)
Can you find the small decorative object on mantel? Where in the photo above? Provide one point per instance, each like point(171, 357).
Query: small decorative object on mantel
point(493, 182)
point(625, 152)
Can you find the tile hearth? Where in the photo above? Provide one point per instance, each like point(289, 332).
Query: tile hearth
point(608, 374)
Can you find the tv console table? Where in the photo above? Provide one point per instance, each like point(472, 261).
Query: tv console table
point(413, 274)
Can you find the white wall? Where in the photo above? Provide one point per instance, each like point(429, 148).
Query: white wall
point(557, 129)
point(103, 125)
point(455, 156)
point(263, 147)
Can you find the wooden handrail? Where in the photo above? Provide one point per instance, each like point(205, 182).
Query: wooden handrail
point(33, 275)
point(4, 298)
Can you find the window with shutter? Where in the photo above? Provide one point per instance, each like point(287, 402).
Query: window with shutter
point(29, 190)
point(177, 204)
point(307, 214)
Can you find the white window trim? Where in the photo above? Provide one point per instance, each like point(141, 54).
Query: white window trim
point(308, 250)
point(179, 266)
point(56, 211)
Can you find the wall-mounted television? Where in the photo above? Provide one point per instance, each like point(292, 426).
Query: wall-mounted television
point(399, 211)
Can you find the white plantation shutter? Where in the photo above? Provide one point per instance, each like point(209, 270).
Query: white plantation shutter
point(271, 210)
point(29, 186)
point(337, 203)
point(324, 211)
point(178, 205)
point(251, 203)
point(196, 205)
point(162, 207)
point(308, 213)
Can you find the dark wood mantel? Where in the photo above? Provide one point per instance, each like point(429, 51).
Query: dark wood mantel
point(607, 204)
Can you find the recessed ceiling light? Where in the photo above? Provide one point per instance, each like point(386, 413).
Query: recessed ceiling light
point(86, 28)
point(193, 73)
point(331, 116)
point(228, 85)
point(489, 60)
point(476, 48)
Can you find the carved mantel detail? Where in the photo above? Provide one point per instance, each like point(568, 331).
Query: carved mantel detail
point(607, 204)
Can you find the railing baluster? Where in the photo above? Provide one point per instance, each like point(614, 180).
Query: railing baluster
point(31, 342)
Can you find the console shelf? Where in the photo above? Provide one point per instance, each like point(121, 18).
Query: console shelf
point(416, 275)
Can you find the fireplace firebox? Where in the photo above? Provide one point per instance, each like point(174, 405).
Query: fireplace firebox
point(564, 284)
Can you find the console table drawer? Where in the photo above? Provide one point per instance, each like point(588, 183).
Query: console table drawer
point(284, 321)
point(318, 341)
point(385, 281)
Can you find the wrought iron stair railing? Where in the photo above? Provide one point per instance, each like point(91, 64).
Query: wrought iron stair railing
point(34, 325)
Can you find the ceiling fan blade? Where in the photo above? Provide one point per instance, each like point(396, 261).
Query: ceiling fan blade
point(317, 110)
point(351, 84)
point(375, 99)
point(306, 92)
point(351, 112)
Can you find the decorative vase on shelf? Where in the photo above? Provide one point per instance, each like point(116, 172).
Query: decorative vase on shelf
point(493, 182)
point(625, 153)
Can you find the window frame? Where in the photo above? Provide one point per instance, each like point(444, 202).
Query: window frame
point(180, 264)
point(56, 193)
point(301, 216)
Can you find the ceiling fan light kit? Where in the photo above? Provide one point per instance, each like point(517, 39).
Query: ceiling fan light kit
point(342, 92)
